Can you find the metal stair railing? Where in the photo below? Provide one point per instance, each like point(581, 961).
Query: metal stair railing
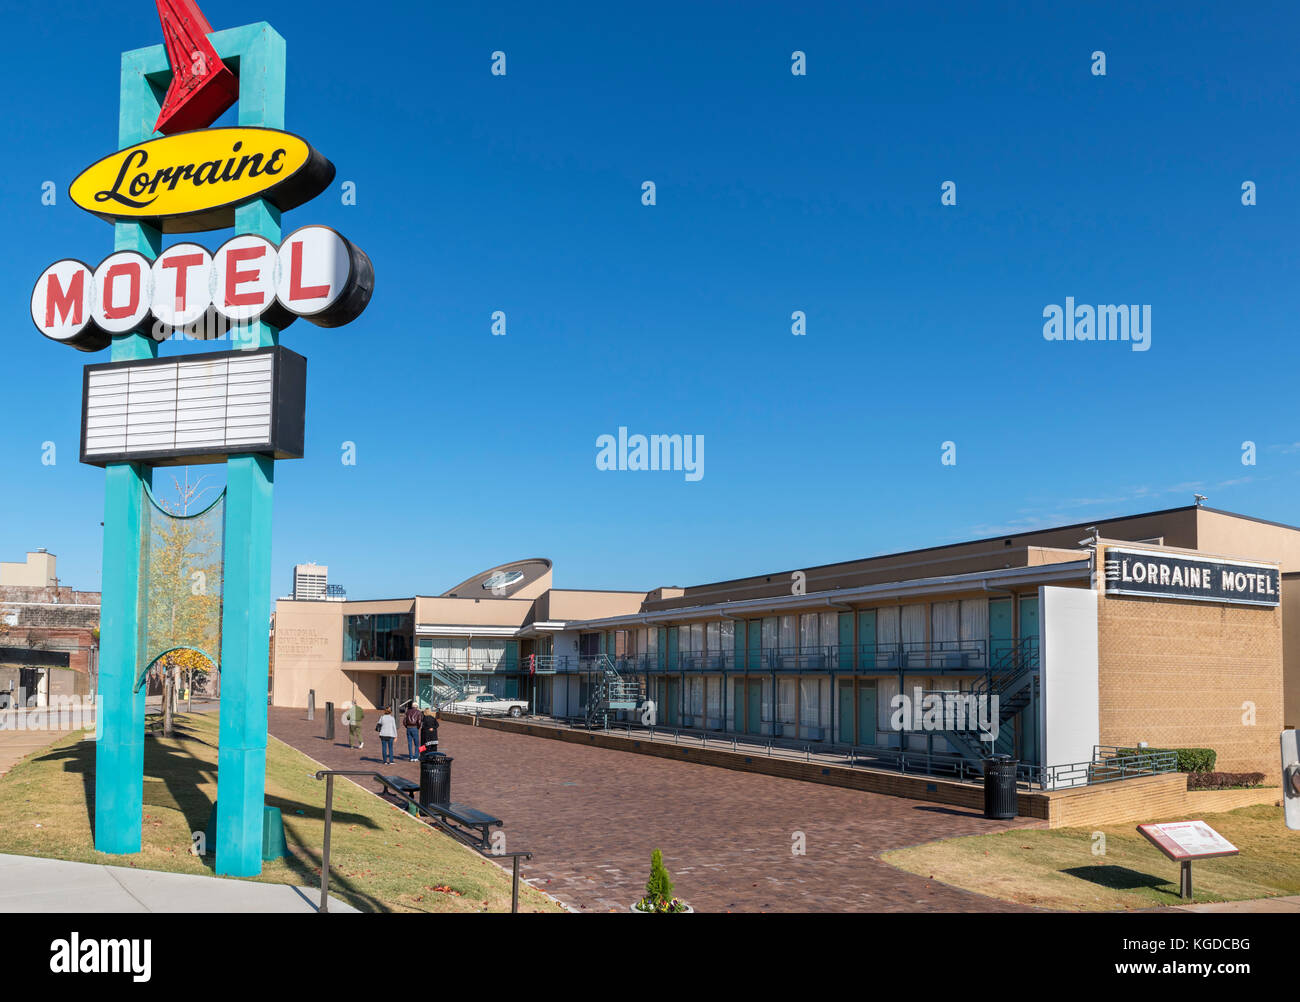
point(454, 684)
point(1009, 679)
point(611, 691)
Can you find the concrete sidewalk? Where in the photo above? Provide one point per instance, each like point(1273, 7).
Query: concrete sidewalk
point(15, 744)
point(1286, 905)
point(34, 884)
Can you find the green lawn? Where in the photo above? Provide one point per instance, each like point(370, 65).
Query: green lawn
point(1057, 868)
point(381, 859)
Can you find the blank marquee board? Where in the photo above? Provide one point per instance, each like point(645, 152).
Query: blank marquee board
point(197, 409)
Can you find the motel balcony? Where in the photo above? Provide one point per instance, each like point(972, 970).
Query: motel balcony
point(955, 657)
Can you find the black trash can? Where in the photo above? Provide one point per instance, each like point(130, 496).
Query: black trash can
point(1000, 798)
point(435, 779)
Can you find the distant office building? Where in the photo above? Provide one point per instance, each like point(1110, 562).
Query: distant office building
point(310, 581)
point(37, 571)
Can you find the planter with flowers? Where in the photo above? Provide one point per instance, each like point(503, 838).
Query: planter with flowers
point(659, 898)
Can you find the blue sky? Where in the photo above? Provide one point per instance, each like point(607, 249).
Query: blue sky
point(775, 193)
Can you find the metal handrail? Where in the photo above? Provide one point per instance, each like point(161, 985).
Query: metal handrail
point(329, 774)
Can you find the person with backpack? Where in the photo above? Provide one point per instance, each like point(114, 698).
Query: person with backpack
point(412, 719)
point(387, 728)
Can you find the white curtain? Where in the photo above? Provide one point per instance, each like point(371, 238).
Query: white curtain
point(786, 688)
point(810, 702)
point(975, 625)
point(945, 622)
point(788, 640)
point(887, 629)
point(913, 617)
point(808, 632)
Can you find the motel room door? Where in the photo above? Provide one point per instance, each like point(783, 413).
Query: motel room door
point(846, 734)
point(672, 702)
point(754, 706)
point(866, 713)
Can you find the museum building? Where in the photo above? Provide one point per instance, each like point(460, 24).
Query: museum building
point(1168, 629)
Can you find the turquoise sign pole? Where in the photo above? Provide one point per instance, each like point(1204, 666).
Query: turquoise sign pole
point(250, 481)
point(257, 52)
point(119, 755)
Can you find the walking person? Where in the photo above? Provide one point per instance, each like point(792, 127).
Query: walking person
point(429, 734)
point(412, 719)
point(387, 728)
point(353, 716)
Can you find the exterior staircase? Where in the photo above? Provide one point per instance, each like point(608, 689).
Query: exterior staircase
point(610, 692)
point(449, 684)
point(1010, 678)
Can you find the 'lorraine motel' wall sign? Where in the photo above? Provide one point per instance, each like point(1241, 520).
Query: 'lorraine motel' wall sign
point(1203, 579)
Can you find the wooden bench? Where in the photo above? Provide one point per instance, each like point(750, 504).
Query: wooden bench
point(467, 817)
point(406, 787)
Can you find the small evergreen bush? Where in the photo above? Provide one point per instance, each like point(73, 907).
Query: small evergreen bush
point(659, 889)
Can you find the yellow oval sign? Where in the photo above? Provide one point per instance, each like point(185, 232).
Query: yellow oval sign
point(194, 181)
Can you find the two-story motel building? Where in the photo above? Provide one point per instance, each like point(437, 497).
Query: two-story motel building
point(1178, 628)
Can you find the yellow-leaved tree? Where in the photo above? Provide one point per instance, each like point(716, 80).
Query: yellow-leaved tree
point(183, 593)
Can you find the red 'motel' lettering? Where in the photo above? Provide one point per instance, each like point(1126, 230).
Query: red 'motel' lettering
point(65, 301)
point(131, 269)
point(296, 289)
point(182, 263)
point(235, 278)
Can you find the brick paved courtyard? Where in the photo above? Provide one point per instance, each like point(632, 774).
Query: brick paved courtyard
point(594, 815)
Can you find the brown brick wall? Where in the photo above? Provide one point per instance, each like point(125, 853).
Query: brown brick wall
point(1176, 675)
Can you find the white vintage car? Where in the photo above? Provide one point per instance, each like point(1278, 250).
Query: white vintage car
point(486, 703)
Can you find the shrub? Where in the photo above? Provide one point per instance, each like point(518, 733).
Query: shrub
point(1186, 759)
point(659, 889)
point(660, 886)
point(1223, 780)
point(1196, 759)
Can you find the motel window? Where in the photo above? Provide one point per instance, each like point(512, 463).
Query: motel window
point(810, 702)
point(913, 623)
point(451, 651)
point(712, 641)
point(770, 634)
point(830, 632)
point(786, 688)
point(726, 637)
point(887, 628)
point(696, 698)
point(651, 641)
point(622, 643)
point(945, 623)
point(487, 655)
point(975, 626)
point(789, 641)
point(588, 644)
point(809, 631)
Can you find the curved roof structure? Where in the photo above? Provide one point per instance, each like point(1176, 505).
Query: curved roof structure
point(504, 580)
